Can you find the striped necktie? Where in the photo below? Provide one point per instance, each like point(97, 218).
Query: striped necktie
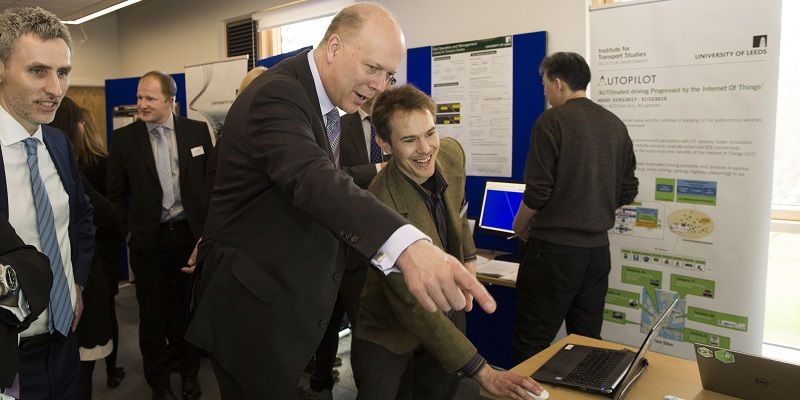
point(333, 127)
point(60, 303)
point(375, 152)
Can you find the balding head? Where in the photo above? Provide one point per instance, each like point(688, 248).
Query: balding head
point(359, 54)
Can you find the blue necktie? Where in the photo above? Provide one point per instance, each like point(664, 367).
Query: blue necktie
point(375, 152)
point(60, 303)
point(333, 128)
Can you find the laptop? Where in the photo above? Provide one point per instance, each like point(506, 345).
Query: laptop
point(598, 370)
point(745, 375)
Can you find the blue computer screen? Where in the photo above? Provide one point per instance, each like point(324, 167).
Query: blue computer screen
point(500, 204)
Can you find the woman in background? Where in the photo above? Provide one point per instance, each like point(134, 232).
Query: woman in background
point(98, 332)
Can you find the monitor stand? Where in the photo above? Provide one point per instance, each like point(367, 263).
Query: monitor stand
point(510, 257)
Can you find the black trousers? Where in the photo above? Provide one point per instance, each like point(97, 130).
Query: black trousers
point(417, 375)
point(557, 283)
point(49, 371)
point(346, 302)
point(163, 294)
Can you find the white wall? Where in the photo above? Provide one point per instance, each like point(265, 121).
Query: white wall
point(167, 34)
point(95, 51)
point(427, 22)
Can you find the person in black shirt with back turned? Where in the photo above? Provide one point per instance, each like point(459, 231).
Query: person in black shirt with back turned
point(580, 169)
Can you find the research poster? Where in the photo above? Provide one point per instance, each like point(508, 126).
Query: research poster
point(696, 84)
point(211, 88)
point(472, 85)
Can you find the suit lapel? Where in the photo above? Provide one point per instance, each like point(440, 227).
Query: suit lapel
point(3, 187)
point(303, 73)
point(409, 204)
point(182, 149)
point(142, 143)
point(58, 155)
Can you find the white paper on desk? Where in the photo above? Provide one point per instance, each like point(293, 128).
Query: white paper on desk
point(481, 260)
point(498, 269)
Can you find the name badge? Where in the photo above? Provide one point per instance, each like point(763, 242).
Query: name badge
point(198, 151)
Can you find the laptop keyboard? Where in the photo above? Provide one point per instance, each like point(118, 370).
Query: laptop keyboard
point(595, 368)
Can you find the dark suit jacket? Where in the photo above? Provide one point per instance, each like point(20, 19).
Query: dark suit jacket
point(272, 248)
point(354, 160)
point(132, 180)
point(35, 278)
point(81, 228)
point(353, 157)
point(389, 315)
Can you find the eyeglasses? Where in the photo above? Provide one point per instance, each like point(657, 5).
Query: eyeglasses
point(372, 70)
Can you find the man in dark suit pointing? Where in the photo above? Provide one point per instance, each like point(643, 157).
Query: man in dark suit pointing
point(155, 177)
point(282, 212)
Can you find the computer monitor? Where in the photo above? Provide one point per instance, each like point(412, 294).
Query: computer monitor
point(500, 204)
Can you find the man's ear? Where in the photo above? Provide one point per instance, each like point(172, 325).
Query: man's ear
point(387, 149)
point(333, 47)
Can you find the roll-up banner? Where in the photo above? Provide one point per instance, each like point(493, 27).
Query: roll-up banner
point(696, 84)
point(211, 88)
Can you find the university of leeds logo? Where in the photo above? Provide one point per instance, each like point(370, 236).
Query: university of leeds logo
point(759, 41)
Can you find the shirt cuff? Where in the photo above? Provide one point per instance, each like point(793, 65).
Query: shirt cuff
point(474, 366)
point(388, 254)
point(22, 310)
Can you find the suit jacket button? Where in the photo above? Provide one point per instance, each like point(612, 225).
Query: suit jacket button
point(338, 276)
point(323, 324)
point(354, 239)
point(348, 236)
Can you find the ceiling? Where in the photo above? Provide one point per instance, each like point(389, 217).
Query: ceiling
point(64, 9)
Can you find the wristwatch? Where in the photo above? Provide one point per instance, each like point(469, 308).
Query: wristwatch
point(8, 280)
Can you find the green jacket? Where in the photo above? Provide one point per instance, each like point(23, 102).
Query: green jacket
point(389, 315)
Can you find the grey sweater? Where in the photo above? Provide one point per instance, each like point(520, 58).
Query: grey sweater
point(580, 169)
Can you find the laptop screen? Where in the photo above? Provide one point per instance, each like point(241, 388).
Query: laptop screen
point(637, 365)
point(500, 204)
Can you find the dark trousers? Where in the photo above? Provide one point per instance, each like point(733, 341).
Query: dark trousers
point(163, 294)
point(49, 371)
point(557, 283)
point(346, 302)
point(87, 369)
point(111, 359)
point(418, 375)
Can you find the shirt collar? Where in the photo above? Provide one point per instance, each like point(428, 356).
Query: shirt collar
point(169, 124)
point(441, 183)
point(325, 103)
point(363, 114)
point(11, 131)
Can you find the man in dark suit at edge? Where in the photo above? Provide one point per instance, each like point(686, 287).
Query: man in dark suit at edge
point(282, 211)
point(41, 193)
point(155, 176)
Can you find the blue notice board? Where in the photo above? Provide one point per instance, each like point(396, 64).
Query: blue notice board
point(492, 334)
point(528, 103)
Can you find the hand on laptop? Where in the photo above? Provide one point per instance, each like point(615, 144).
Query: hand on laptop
point(507, 384)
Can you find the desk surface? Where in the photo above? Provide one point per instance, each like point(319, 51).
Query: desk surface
point(665, 375)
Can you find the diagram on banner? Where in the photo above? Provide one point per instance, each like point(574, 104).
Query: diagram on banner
point(654, 298)
point(690, 224)
point(640, 219)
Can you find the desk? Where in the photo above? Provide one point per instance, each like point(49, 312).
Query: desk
point(492, 333)
point(665, 375)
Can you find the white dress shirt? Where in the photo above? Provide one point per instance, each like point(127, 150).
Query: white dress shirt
point(21, 208)
point(404, 236)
